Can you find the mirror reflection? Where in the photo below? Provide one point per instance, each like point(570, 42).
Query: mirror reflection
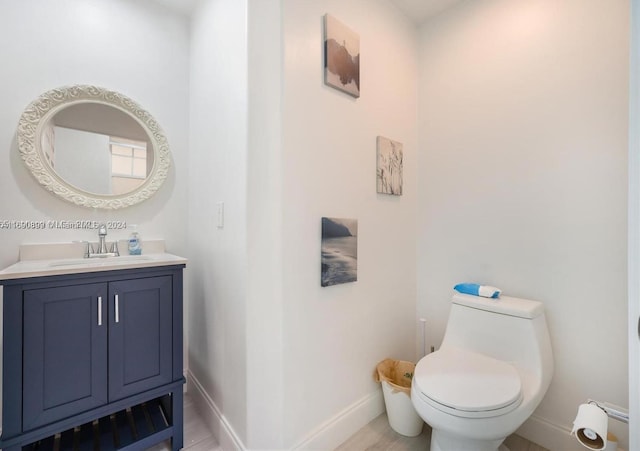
point(97, 148)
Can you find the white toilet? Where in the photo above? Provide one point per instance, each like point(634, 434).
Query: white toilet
point(491, 372)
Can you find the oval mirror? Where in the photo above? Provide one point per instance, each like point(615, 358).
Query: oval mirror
point(93, 147)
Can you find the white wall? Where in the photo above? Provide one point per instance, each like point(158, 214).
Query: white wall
point(334, 336)
point(523, 179)
point(138, 49)
point(266, 381)
point(218, 173)
point(270, 348)
point(634, 225)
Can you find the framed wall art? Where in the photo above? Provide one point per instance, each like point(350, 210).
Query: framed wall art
point(341, 56)
point(339, 251)
point(389, 166)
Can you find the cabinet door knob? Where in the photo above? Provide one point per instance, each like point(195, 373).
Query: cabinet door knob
point(99, 310)
point(117, 309)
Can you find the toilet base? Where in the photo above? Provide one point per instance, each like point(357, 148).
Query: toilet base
point(443, 441)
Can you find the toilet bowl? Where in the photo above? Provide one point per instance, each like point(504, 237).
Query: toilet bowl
point(492, 370)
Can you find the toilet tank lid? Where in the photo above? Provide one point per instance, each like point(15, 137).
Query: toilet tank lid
point(506, 305)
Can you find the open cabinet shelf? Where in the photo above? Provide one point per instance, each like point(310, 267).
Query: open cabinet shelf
point(132, 428)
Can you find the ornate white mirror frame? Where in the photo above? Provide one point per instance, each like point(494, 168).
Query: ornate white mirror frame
point(37, 115)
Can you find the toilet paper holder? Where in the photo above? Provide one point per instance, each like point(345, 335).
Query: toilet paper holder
point(615, 412)
point(590, 426)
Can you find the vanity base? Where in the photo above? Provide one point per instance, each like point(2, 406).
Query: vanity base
point(113, 355)
point(135, 428)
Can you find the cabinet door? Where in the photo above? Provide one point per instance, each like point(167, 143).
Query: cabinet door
point(140, 335)
point(65, 352)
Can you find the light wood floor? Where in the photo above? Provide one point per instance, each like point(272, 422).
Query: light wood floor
point(378, 436)
point(375, 436)
point(197, 435)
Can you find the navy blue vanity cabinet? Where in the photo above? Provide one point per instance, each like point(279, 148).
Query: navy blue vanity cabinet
point(140, 352)
point(65, 363)
point(94, 357)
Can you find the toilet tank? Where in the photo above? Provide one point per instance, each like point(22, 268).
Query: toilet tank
point(509, 329)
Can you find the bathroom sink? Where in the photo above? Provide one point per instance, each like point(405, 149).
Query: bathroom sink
point(98, 261)
point(33, 268)
point(52, 259)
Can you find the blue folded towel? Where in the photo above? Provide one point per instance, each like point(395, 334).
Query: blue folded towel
point(478, 290)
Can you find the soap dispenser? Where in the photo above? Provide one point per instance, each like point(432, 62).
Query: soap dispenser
point(135, 245)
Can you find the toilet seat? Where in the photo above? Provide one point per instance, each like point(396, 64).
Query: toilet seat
point(467, 384)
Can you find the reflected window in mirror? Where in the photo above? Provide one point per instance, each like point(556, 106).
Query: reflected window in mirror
point(128, 164)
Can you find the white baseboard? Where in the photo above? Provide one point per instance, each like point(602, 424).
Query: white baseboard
point(548, 435)
point(328, 435)
point(222, 430)
point(343, 425)
point(340, 427)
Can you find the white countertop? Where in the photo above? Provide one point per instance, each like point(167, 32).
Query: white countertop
point(32, 266)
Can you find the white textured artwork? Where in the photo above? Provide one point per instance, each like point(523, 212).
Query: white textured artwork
point(389, 168)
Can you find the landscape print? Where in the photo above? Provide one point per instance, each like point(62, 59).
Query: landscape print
point(341, 57)
point(339, 251)
point(389, 167)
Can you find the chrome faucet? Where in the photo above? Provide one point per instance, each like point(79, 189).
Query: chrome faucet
point(102, 246)
point(102, 234)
